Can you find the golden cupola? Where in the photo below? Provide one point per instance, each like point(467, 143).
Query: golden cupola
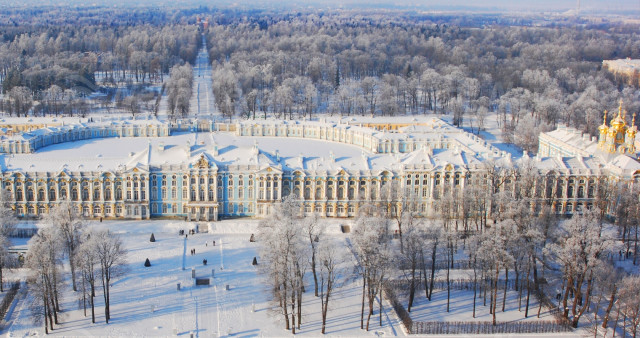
point(631, 136)
point(618, 137)
point(603, 129)
point(618, 126)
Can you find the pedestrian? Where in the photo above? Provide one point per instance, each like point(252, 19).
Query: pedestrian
point(214, 243)
point(206, 243)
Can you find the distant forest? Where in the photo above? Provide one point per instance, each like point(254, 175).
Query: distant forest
point(533, 71)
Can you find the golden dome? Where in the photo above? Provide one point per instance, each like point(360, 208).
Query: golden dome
point(618, 123)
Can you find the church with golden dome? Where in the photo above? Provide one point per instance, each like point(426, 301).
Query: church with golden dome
point(618, 137)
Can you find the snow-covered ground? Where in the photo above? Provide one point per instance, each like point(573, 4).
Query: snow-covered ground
point(146, 301)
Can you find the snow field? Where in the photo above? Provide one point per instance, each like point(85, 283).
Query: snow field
point(146, 302)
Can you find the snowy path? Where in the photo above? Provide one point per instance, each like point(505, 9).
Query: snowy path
point(201, 104)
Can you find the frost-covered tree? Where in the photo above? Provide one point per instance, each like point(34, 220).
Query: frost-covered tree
point(111, 256)
point(581, 247)
point(66, 219)
point(284, 251)
point(329, 271)
point(493, 251)
point(630, 303)
point(88, 266)
point(44, 259)
point(371, 239)
point(7, 224)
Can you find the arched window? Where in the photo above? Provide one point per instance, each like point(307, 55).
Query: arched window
point(570, 192)
point(307, 193)
point(96, 194)
point(318, 193)
point(63, 194)
point(41, 196)
point(19, 195)
point(580, 192)
point(52, 194)
point(74, 194)
point(329, 193)
point(119, 195)
point(85, 194)
point(29, 194)
point(174, 193)
point(107, 194)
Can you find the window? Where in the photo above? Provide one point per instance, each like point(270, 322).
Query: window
point(174, 193)
point(119, 209)
point(52, 194)
point(154, 193)
point(96, 194)
point(41, 195)
point(184, 193)
point(250, 193)
point(119, 194)
point(211, 197)
point(128, 194)
point(230, 193)
point(164, 193)
point(74, 194)
point(85, 194)
point(201, 195)
point(164, 208)
point(29, 194)
point(96, 210)
point(107, 210)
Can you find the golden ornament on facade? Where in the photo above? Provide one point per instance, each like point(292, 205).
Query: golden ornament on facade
point(202, 163)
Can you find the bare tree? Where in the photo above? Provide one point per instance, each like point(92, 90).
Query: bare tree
point(7, 224)
point(87, 261)
point(328, 272)
point(66, 219)
point(44, 259)
point(284, 252)
point(111, 256)
point(314, 230)
point(579, 251)
point(371, 241)
point(630, 303)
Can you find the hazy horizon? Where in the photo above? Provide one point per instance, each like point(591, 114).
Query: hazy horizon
point(452, 5)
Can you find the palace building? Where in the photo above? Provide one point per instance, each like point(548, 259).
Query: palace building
point(205, 171)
